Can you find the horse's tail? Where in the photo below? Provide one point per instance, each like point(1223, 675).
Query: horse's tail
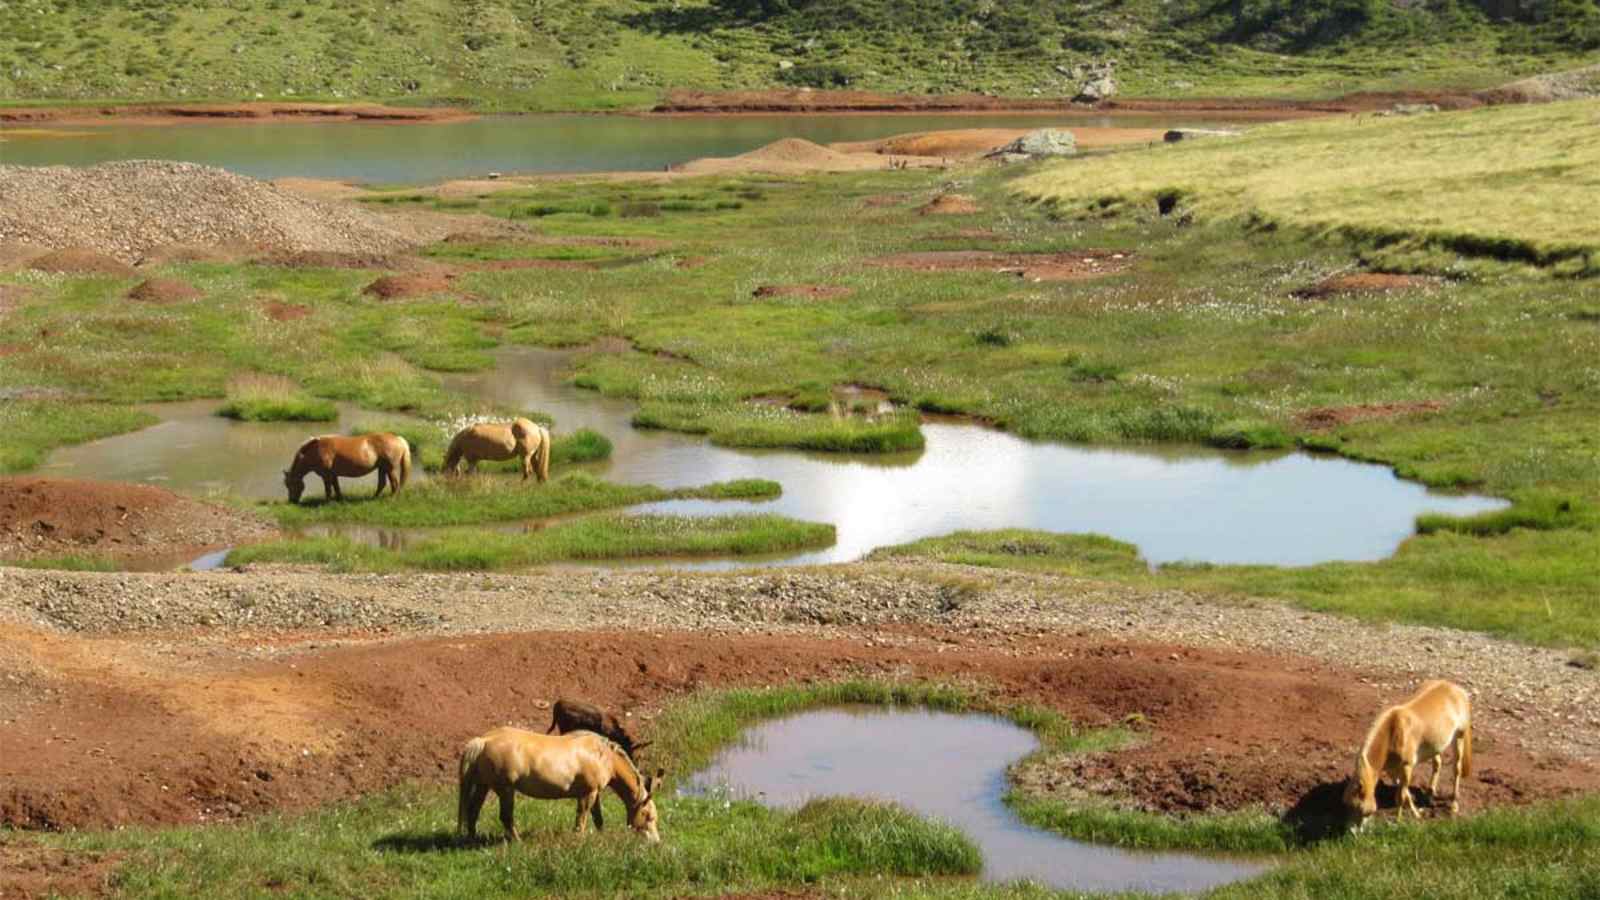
point(405, 461)
point(541, 456)
point(1465, 749)
point(469, 778)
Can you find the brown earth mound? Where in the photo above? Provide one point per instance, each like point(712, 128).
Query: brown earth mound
point(809, 291)
point(28, 871)
point(1364, 283)
point(1078, 264)
point(326, 259)
point(80, 261)
point(163, 290)
point(126, 209)
point(278, 311)
point(420, 284)
point(1334, 416)
point(950, 205)
point(49, 516)
point(316, 725)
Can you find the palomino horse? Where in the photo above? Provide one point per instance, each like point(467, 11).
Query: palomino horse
point(520, 438)
point(1438, 717)
point(577, 766)
point(334, 456)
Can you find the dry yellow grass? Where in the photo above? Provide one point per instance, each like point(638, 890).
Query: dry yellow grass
point(1514, 182)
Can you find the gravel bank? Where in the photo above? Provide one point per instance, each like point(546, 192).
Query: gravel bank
point(1559, 703)
point(127, 209)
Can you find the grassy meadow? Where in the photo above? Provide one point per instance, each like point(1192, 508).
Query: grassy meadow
point(402, 842)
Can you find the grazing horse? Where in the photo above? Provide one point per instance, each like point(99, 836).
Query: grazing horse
point(519, 438)
point(567, 716)
point(1438, 717)
point(577, 766)
point(334, 456)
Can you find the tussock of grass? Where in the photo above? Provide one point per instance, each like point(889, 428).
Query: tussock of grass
point(269, 398)
point(475, 500)
point(1244, 434)
point(1509, 183)
point(599, 538)
point(780, 428)
point(1541, 513)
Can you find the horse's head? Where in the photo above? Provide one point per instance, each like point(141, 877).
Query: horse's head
point(295, 483)
point(1360, 797)
point(642, 817)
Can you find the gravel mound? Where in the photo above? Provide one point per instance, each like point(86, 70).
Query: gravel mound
point(126, 209)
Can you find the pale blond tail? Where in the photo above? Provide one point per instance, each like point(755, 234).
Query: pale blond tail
point(541, 457)
point(1465, 749)
point(469, 763)
point(405, 461)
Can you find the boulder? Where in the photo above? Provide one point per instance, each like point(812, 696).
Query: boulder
point(1037, 144)
point(1100, 87)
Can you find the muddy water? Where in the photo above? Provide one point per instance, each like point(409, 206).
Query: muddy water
point(377, 152)
point(1173, 503)
point(950, 767)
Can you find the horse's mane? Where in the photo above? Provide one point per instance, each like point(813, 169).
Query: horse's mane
point(637, 776)
point(1381, 723)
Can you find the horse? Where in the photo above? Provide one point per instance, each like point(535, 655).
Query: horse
point(578, 766)
point(1437, 717)
point(334, 456)
point(567, 716)
point(519, 438)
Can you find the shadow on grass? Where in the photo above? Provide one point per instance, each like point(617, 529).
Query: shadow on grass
point(1320, 815)
point(432, 842)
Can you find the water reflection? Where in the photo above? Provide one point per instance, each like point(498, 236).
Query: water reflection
point(949, 767)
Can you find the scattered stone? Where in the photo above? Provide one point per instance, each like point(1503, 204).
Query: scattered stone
point(1044, 142)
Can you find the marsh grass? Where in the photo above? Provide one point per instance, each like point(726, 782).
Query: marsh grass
point(29, 429)
point(271, 398)
point(474, 500)
point(70, 562)
point(607, 537)
point(772, 427)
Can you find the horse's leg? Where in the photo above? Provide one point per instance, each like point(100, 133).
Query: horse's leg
point(1433, 783)
point(508, 810)
point(1407, 769)
point(382, 477)
point(594, 813)
point(330, 485)
point(585, 805)
point(479, 793)
point(1455, 792)
point(527, 465)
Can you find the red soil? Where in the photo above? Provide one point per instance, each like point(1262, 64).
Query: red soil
point(1078, 264)
point(1334, 416)
point(421, 284)
point(205, 735)
point(809, 291)
point(325, 259)
point(167, 113)
point(79, 261)
point(28, 872)
point(40, 516)
point(163, 290)
point(278, 311)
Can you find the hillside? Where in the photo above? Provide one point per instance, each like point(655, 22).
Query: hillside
point(598, 54)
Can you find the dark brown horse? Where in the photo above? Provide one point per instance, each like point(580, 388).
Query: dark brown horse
point(567, 716)
point(334, 456)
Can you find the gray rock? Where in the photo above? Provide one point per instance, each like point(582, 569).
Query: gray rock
point(1101, 87)
point(1037, 144)
point(785, 65)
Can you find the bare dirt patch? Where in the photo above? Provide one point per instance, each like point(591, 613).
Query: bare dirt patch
point(807, 291)
point(884, 201)
point(797, 156)
point(279, 311)
point(29, 871)
point(326, 259)
point(692, 262)
point(203, 732)
point(1323, 417)
point(12, 294)
point(420, 284)
point(197, 253)
point(163, 290)
point(47, 516)
point(81, 261)
point(1364, 283)
point(950, 205)
point(970, 143)
point(1073, 266)
point(168, 113)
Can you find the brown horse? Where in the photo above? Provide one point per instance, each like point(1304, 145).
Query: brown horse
point(577, 766)
point(495, 441)
point(1437, 718)
point(567, 716)
point(334, 456)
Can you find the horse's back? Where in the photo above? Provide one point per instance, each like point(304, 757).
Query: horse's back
point(543, 765)
point(1437, 713)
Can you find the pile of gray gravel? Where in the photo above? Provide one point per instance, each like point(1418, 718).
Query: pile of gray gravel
point(126, 209)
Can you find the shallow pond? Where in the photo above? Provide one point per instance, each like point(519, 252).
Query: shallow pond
point(412, 154)
point(1173, 503)
point(950, 767)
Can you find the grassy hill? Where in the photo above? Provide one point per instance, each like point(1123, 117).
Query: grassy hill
point(599, 54)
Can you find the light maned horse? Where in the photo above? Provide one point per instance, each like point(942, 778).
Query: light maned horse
point(1438, 717)
point(577, 766)
point(495, 441)
point(334, 456)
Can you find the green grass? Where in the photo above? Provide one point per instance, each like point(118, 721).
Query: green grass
point(30, 429)
point(1507, 183)
point(257, 398)
point(624, 54)
point(610, 537)
point(774, 428)
point(1531, 585)
point(71, 562)
point(469, 500)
